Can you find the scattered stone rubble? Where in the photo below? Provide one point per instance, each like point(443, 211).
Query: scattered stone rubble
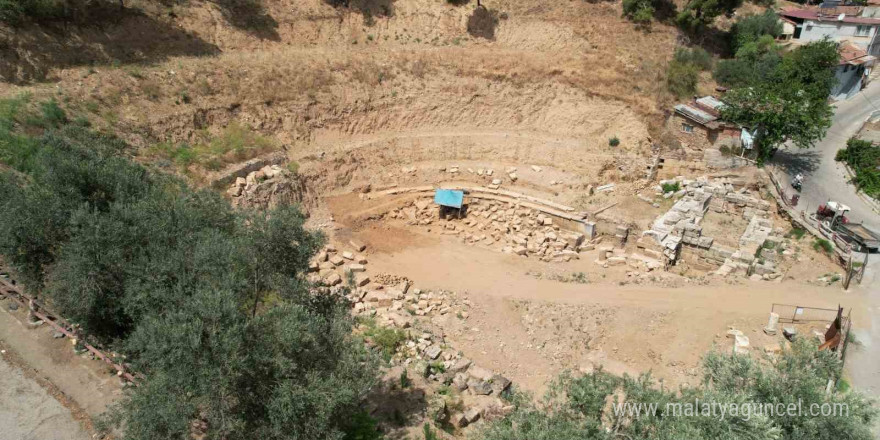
point(507, 226)
point(399, 305)
point(265, 188)
point(330, 267)
point(681, 225)
point(392, 302)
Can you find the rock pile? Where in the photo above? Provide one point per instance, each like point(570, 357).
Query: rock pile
point(330, 268)
point(399, 306)
point(268, 187)
point(243, 184)
point(506, 226)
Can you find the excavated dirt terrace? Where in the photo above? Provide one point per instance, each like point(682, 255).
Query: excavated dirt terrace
point(398, 94)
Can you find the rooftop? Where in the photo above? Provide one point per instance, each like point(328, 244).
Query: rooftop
point(842, 14)
point(695, 114)
point(853, 55)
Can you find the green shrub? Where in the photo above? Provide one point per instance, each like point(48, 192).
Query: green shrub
point(696, 56)
point(386, 338)
point(639, 11)
point(429, 432)
point(235, 143)
point(15, 12)
point(11, 12)
point(580, 407)
point(613, 141)
point(682, 78)
point(752, 27)
point(437, 367)
point(823, 245)
point(864, 159)
point(670, 187)
point(362, 426)
point(52, 116)
point(796, 233)
point(202, 300)
point(405, 382)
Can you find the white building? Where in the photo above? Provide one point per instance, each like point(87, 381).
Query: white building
point(856, 29)
point(855, 24)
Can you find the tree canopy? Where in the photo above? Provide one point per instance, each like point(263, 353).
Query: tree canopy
point(752, 27)
point(602, 406)
point(208, 304)
point(755, 63)
point(698, 14)
point(788, 103)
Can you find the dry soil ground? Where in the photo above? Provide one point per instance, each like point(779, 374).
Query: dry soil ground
point(531, 328)
point(47, 391)
point(387, 94)
point(29, 412)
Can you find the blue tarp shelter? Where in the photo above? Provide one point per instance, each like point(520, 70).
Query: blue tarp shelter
point(449, 197)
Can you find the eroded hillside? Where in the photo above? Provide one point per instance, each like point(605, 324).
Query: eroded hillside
point(413, 79)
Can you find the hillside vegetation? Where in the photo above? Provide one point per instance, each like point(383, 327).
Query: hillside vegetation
point(207, 304)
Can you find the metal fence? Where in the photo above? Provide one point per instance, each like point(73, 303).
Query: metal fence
point(789, 313)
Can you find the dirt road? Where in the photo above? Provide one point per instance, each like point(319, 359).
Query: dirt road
point(40, 374)
point(29, 412)
point(533, 328)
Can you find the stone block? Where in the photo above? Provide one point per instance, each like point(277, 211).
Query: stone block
point(458, 420)
point(480, 387)
point(616, 261)
point(472, 415)
point(480, 373)
point(333, 279)
point(499, 383)
point(460, 365)
point(433, 352)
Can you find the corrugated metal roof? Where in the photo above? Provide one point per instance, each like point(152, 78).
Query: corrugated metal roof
point(695, 114)
point(815, 15)
point(449, 197)
point(711, 102)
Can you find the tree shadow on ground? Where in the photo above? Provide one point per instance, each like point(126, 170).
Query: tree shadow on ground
point(797, 161)
point(397, 407)
point(29, 53)
point(665, 11)
point(250, 16)
point(713, 40)
point(368, 8)
point(483, 22)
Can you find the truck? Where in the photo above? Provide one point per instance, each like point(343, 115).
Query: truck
point(861, 238)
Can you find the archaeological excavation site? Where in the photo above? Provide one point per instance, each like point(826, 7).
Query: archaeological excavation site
point(396, 219)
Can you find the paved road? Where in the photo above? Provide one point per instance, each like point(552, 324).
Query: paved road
point(825, 179)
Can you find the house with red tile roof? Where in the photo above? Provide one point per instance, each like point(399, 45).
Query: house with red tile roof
point(855, 24)
point(856, 29)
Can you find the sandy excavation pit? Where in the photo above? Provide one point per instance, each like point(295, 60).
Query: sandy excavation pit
point(516, 291)
point(365, 119)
